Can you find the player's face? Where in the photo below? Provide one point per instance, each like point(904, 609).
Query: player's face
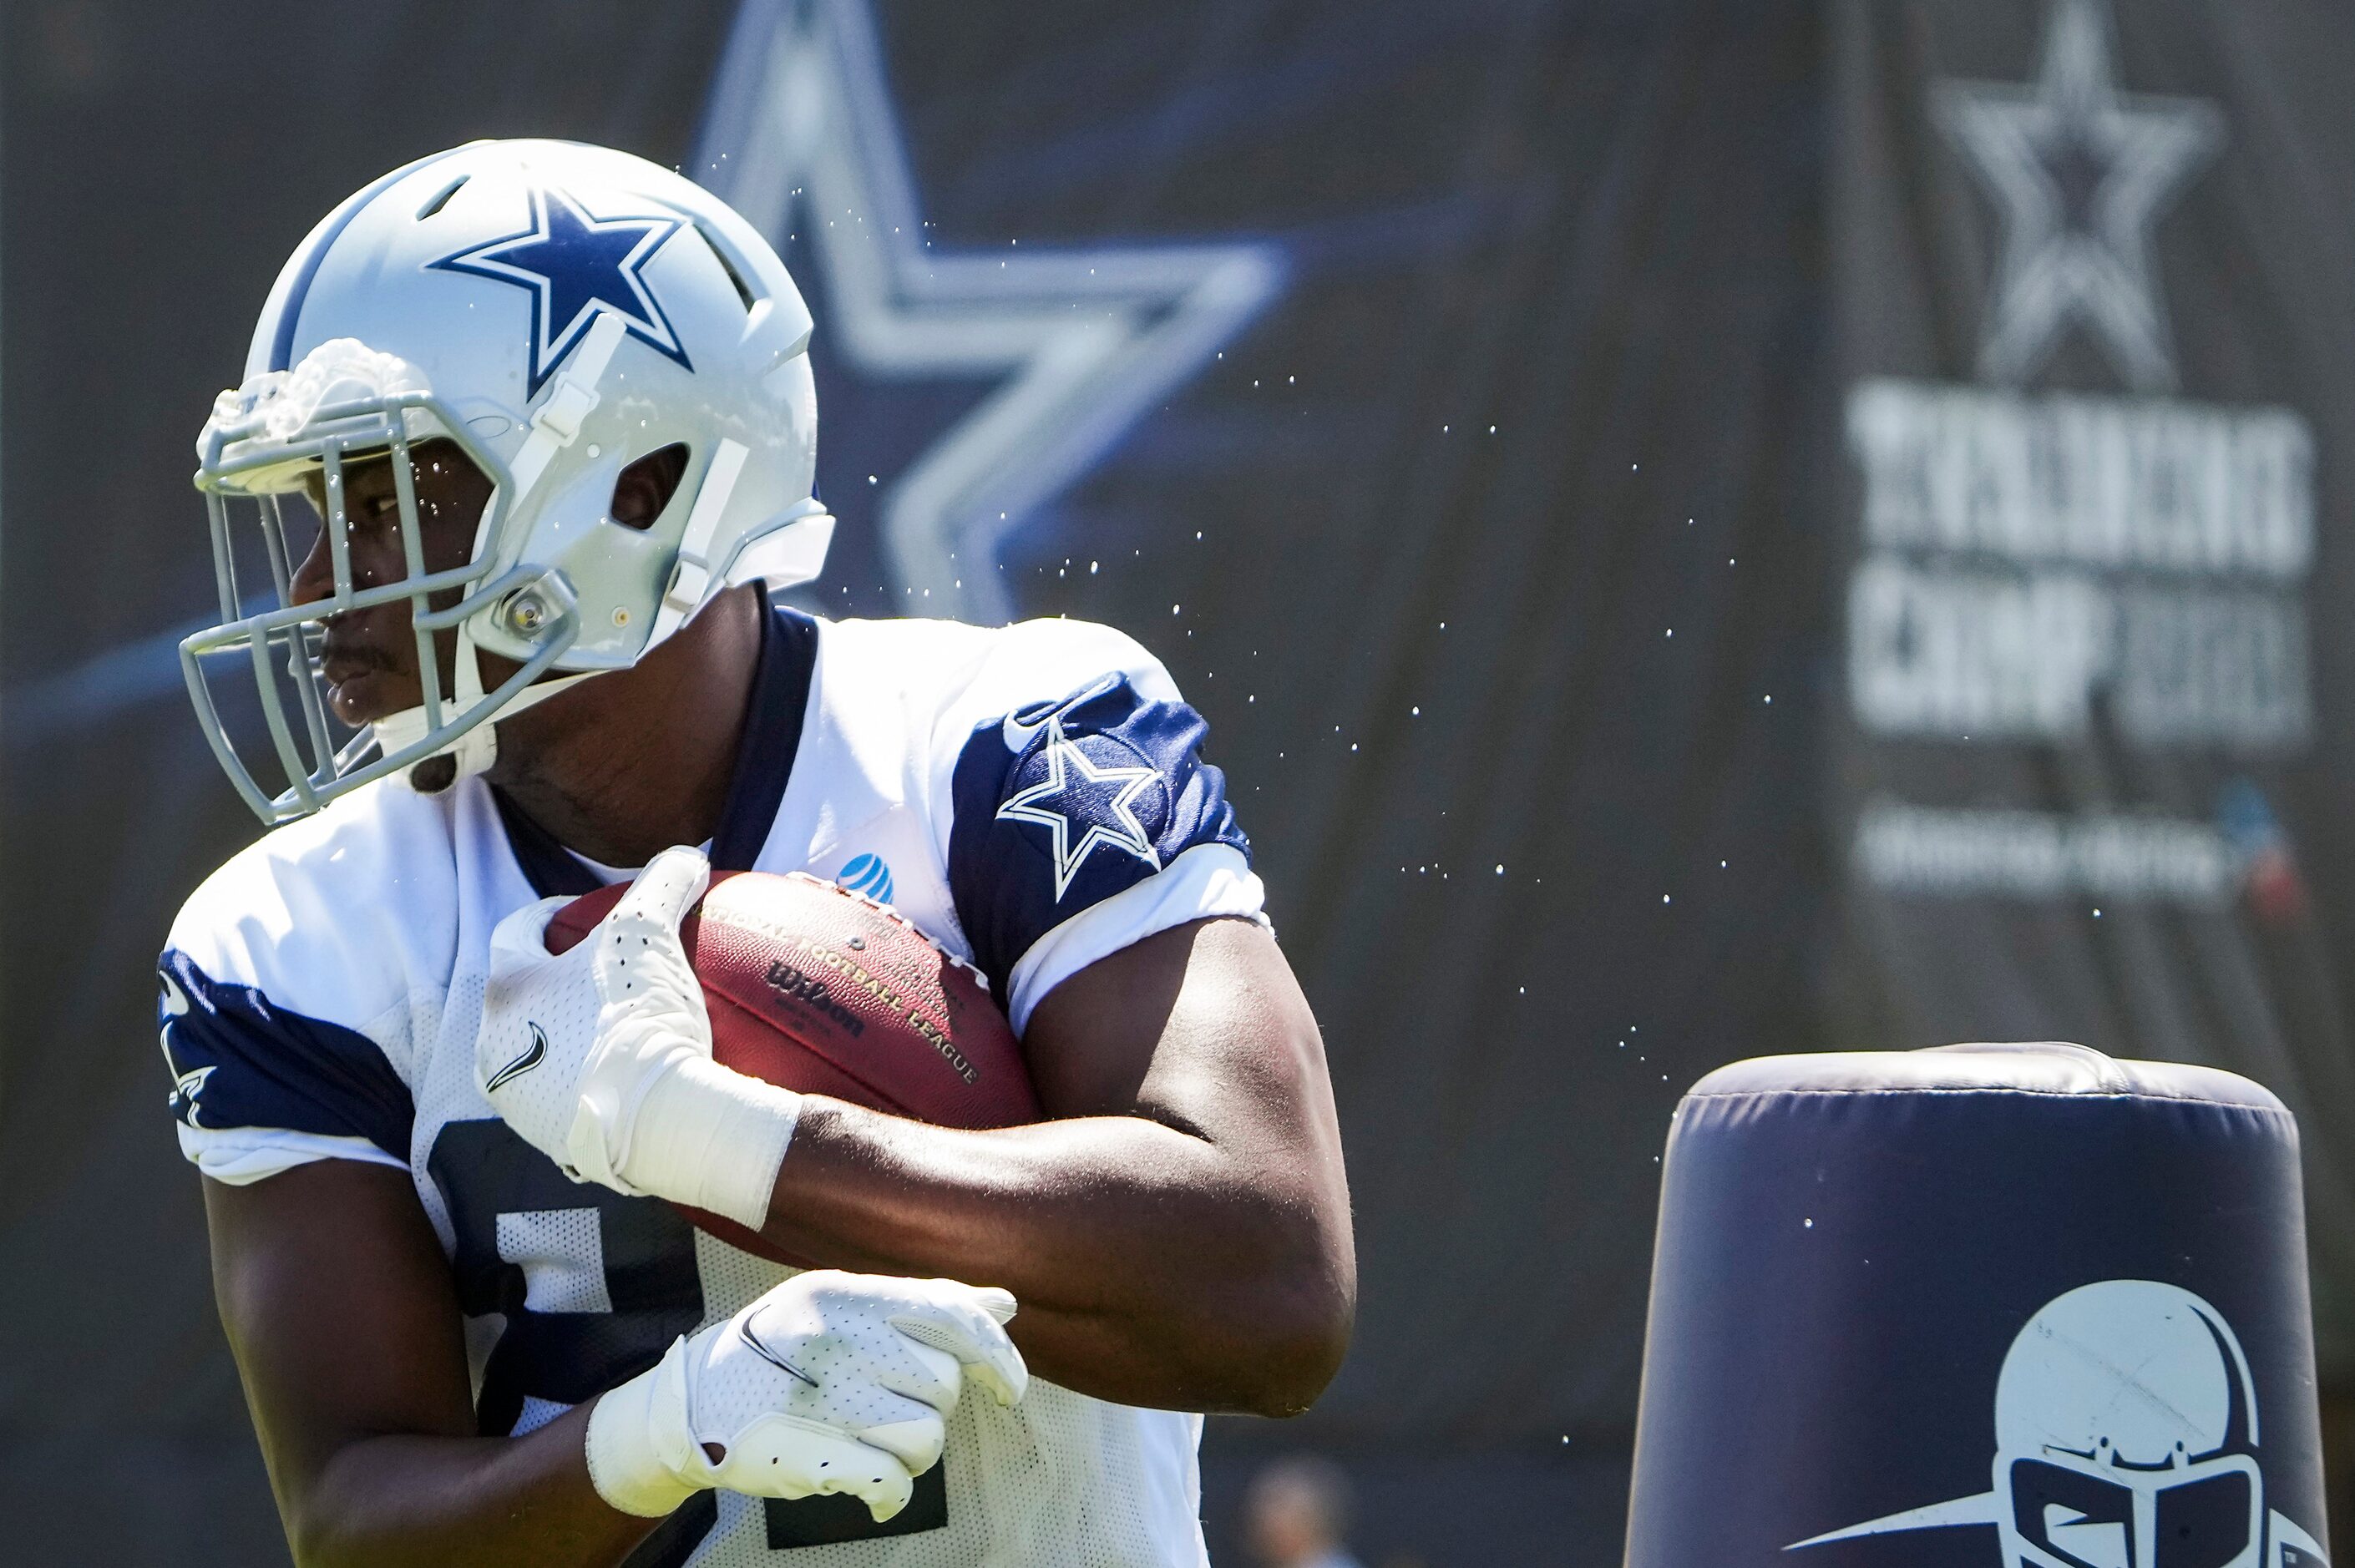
point(369, 656)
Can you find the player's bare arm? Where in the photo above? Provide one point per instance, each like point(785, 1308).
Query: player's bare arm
point(338, 1303)
point(1179, 1237)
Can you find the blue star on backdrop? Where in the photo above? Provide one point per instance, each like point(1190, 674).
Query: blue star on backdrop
point(574, 264)
point(961, 390)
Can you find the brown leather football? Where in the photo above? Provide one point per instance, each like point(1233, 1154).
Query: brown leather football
point(814, 988)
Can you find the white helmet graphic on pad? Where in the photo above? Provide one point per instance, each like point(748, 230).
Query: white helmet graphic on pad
point(559, 312)
point(2125, 1423)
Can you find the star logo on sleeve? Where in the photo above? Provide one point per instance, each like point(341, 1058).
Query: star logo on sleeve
point(187, 1089)
point(1099, 802)
point(575, 264)
point(186, 1086)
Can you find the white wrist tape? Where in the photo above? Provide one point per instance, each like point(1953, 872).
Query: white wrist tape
point(712, 1138)
point(632, 1430)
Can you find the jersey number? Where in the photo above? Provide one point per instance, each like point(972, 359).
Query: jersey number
point(594, 1286)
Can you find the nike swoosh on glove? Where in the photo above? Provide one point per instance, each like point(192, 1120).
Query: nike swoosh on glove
point(831, 1382)
point(599, 1057)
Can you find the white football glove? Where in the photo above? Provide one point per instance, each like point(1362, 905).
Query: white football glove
point(599, 1057)
point(831, 1382)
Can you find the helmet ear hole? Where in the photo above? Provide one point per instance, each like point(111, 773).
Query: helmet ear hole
point(645, 488)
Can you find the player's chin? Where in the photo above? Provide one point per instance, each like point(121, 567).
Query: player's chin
point(364, 696)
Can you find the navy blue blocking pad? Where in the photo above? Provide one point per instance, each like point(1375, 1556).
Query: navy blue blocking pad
point(1879, 1272)
point(764, 763)
point(1065, 803)
point(239, 1059)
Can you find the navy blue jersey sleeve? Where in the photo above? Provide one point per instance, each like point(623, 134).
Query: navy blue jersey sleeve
point(240, 1061)
point(1070, 802)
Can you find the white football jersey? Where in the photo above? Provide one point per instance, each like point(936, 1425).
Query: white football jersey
point(1031, 796)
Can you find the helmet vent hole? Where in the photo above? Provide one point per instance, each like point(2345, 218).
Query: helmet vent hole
point(720, 254)
point(645, 487)
point(441, 197)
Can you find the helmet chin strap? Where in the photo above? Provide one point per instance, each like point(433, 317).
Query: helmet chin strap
point(474, 751)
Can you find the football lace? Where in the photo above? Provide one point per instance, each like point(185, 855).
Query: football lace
point(897, 919)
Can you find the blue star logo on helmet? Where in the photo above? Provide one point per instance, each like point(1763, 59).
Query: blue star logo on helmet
point(574, 264)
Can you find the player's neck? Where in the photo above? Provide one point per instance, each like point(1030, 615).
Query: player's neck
point(623, 767)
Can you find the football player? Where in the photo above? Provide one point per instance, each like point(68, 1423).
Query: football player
point(544, 413)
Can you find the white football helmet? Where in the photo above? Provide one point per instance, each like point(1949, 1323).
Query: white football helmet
point(559, 312)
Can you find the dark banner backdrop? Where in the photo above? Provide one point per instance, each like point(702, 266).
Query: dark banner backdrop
point(2096, 398)
point(1561, 448)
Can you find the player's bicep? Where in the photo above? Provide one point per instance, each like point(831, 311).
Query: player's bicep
point(1201, 1027)
point(338, 1305)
